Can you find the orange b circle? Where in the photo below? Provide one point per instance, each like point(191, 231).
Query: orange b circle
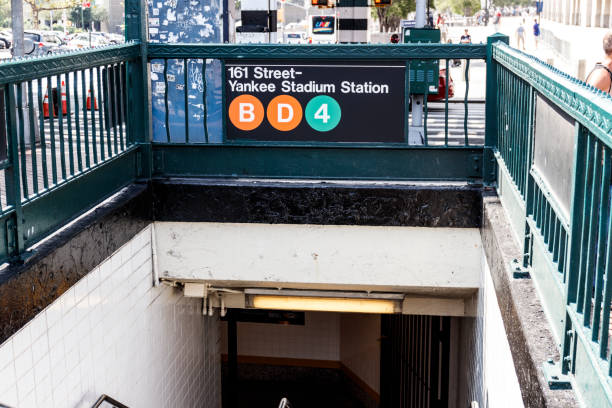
point(246, 112)
point(284, 113)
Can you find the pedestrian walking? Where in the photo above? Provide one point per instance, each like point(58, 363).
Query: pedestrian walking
point(466, 38)
point(536, 32)
point(601, 75)
point(520, 35)
point(497, 21)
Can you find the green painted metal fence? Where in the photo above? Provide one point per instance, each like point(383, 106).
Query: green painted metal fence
point(436, 159)
point(568, 222)
point(66, 140)
point(97, 139)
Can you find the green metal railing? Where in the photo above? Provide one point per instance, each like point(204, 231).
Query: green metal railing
point(65, 137)
point(440, 157)
point(57, 168)
point(568, 231)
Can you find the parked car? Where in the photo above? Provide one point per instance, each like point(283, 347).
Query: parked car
point(83, 40)
point(41, 42)
point(5, 40)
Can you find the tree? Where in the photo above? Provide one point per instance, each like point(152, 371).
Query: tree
point(48, 5)
point(5, 13)
point(464, 7)
point(95, 14)
point(389, 17)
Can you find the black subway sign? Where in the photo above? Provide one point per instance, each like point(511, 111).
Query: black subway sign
point(309, 102)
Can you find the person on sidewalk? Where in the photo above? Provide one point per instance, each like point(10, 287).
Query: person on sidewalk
point(520, 35)
point(601, 75)
point(536, 32)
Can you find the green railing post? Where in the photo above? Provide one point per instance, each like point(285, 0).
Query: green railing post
point(138, 102)
point(14, 226)
point(489, 168)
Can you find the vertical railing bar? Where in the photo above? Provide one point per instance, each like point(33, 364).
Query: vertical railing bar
point(465, 103)
point(576, 214)
point(556, 239)
point(21, 141)
point(546, 220)
point(604, 202)
point(446, 104)
point(11, 174)
point(512, 130)
point(69, 120)
point(77, 122)
point(551, 222)
point(562, 249)
point(587, 230)
point(43, 142)
point(593, 238)
point(60, 119)
point(186, 80)
point(167, 122)
point(108, 118)
point(52, 130)
point(603, 344)
point(425, 116)
point(114, 116)
point(524, 135)
point(85, 118)
point(204, 104)
point(92, 106)
point(121, 106)
point(101, 112)
point(33, 150)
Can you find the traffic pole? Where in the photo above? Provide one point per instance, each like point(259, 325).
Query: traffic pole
point(416, 130)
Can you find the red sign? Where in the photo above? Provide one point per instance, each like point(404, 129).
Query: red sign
point(86, 4)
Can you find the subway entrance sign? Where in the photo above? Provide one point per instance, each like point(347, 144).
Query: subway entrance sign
point(294, 101)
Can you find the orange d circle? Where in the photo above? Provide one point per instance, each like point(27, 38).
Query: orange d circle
point(284, 113)
point(246, 112)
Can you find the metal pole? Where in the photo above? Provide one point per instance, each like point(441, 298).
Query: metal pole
point(18, 51)
point(415, 134)
point(17, 27)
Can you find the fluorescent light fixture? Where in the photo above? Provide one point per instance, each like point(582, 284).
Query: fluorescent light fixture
point(325, 304)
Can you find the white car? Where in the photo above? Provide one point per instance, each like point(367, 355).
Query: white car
point(82, 40)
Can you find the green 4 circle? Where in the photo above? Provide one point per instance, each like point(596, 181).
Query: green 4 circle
point(323, 113)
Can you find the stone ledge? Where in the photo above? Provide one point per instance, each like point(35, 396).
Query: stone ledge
point(527, 328)
point(323, 203)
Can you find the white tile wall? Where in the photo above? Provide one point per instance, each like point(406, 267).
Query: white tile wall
point(114, 333)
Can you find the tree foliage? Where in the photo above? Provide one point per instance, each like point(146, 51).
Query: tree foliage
point(389, 17)
point(38, 6)
point(93, 14)
point(5, 13)
point(464, 7)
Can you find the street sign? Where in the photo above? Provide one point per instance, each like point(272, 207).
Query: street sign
point(308, 102)
point(407, 23)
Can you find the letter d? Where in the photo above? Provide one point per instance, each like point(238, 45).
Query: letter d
point(289, 117)
point(246, 112)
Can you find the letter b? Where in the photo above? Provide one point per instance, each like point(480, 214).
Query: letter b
point(246, 112)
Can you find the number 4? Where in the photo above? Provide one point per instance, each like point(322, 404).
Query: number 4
point(322, 114)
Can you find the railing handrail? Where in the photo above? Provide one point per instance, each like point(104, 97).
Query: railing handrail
point(110, 400)
point(29, 68)
point(319, 51)
point(588, 105)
